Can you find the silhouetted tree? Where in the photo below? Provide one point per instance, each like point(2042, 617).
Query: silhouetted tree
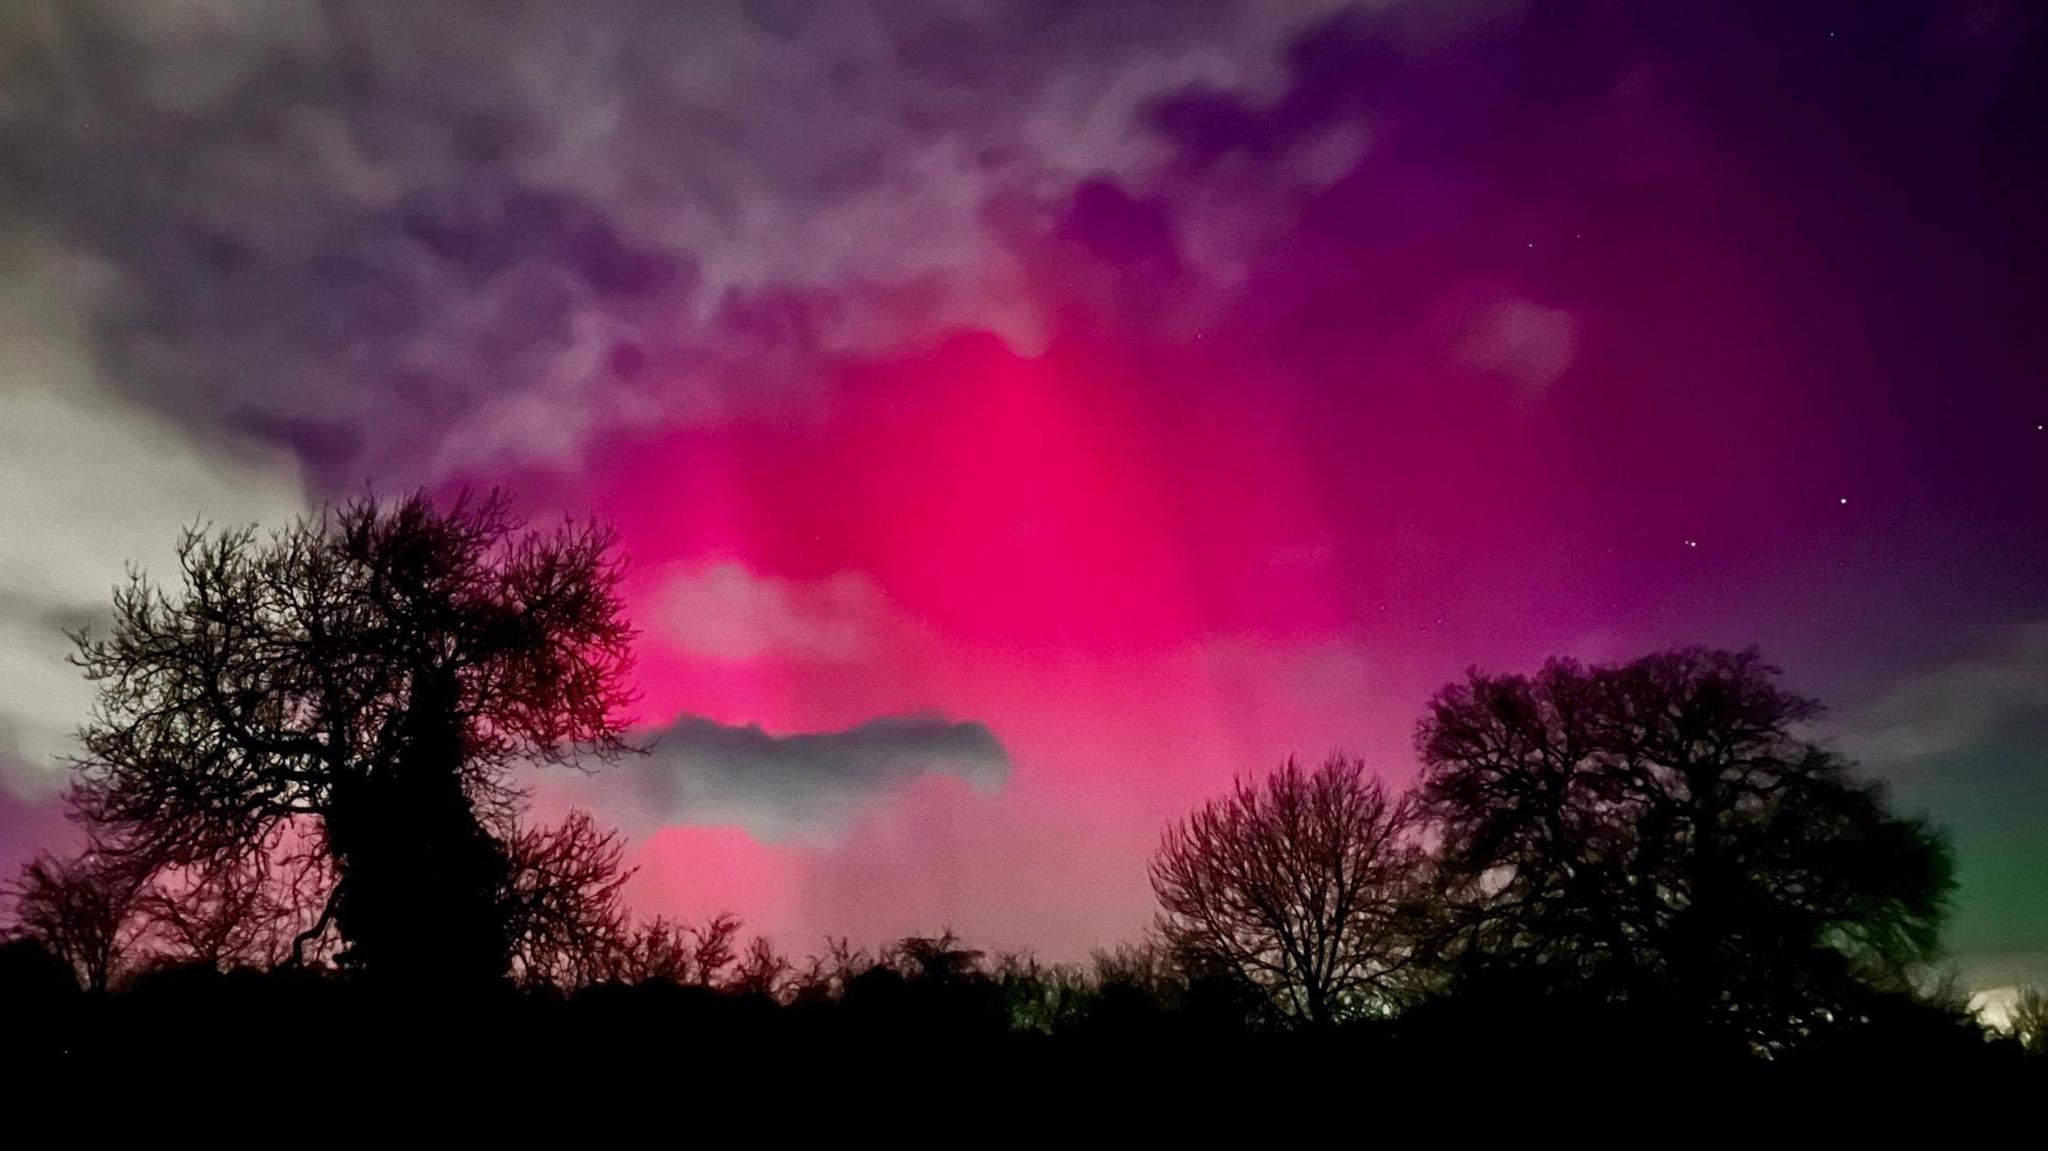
point(1133, 988)
point(371, 674)
point(1148, 967)
point(824, 978)
point(564, 915)
point(933, 987)
point(760, 971)
point(1659, 830)
point(234, 911)
point(706, 956)
point(941, 958)
point(657, 951)
point(713, 949)
point(1300, 886)
point(1041, 997)
point(82, 910)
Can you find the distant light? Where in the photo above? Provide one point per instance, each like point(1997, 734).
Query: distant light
point(1845, 501)
point(1994, 1005)
point(1692, 543)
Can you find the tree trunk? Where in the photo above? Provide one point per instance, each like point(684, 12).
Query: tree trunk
point(419, 878)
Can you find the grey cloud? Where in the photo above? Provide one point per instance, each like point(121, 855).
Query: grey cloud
point(804, 786)
point(88, 485)
point(1955, 707)
point(401, 239)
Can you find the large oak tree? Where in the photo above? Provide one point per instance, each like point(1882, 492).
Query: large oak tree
point(1667, 830)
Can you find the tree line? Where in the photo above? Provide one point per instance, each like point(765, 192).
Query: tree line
point(298, 785)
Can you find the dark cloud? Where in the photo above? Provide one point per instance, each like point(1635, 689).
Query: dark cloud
point(1118, 228)
point(404, 241)
point(803, 786)
point(399, 241)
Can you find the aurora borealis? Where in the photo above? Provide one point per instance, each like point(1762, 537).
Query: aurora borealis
point(1023, 416)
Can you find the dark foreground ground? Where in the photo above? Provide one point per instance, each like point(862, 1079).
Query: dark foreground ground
point(951, 1048)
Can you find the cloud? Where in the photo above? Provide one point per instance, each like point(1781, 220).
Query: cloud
point(88, 485)
point(403, 241)
point(724, 611)
point(803, 786)
point(1525, 342)
point(1957, 706)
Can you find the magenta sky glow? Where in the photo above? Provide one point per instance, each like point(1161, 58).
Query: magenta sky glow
point(1029, 416)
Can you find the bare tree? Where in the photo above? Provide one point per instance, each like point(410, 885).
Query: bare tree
point(376, 669)
point(714, 949)
point(658, 950)
point(239, 911)
point(83, 911)
point(564, 914)
point(705, 955)
point(1299, 885)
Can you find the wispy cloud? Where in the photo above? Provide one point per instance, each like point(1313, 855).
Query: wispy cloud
point(402, 240)
point(725, 611)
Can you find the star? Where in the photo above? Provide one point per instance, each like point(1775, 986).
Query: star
point(1692, 543)
point(1845, 501)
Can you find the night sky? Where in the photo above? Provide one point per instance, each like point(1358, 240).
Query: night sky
point(1023, 416)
